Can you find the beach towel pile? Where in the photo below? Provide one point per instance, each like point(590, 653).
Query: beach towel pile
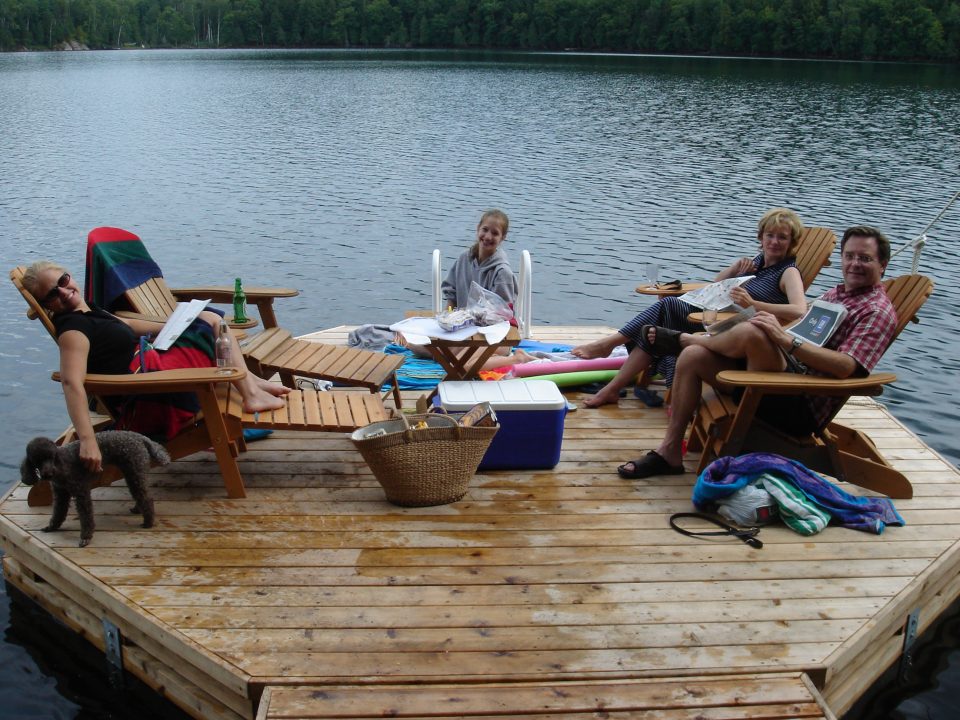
point(806, 500)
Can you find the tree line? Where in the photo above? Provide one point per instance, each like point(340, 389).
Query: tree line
point(846, 29)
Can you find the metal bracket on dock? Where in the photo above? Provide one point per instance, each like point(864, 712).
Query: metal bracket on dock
point(113, 651)
point(909, 636)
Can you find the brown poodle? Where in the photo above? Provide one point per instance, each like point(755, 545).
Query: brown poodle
point(131, 452)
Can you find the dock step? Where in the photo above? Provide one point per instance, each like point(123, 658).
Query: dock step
point(722, 697)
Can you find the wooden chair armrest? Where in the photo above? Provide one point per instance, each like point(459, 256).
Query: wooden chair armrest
point(784, 383)
point(223, 294)
point(130, 314)
point(182, 380)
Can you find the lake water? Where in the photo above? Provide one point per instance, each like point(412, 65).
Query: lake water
point(338, 172)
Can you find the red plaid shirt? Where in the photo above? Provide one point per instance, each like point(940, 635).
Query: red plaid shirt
point(865, 333)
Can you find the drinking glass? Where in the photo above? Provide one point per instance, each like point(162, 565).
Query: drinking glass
point(653, 272)
point(709, 318)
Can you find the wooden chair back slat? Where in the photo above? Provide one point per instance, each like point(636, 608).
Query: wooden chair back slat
point(813, 253)
point(908, 293)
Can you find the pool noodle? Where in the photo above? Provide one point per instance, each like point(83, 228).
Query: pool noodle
point(570, 379)
point(565, 366)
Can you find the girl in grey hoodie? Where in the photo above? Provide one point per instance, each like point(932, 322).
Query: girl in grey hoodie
point(484, 263)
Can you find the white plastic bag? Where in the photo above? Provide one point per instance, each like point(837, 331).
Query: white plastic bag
point(487, 308)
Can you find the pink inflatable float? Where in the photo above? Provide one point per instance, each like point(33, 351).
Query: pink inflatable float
point(535, 369)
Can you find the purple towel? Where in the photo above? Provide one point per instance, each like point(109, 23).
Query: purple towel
point(726, 475)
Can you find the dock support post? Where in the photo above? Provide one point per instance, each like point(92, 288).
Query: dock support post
point(909, 636)
point(113, 651)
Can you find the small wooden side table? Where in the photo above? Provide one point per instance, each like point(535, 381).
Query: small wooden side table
point(462, 359)
point(661, 293)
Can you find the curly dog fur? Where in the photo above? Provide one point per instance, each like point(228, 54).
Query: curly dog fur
point(131, 452)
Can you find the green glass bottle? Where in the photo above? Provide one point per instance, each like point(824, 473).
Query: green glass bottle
point(239, 303)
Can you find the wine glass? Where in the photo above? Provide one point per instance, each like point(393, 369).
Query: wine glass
point(709, 316)
point(653, 272)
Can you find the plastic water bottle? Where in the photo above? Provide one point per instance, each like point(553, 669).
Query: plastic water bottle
point(223, 345)
point(239, 303)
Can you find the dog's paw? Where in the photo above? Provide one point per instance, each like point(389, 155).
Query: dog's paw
point(49, 528)
point(84, 542)
point(147, 524)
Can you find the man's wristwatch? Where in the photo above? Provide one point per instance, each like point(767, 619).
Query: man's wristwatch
point(797, 342)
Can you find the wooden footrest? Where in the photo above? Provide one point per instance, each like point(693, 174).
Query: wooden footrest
point(338, 411)
point(275, 350)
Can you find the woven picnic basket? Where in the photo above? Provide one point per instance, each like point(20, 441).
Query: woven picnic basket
point(425, 466)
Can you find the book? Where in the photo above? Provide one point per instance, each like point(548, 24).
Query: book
point(178, 321)
point(820, 322)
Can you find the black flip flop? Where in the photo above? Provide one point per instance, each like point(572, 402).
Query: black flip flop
point(649, 465)
point(667, 342)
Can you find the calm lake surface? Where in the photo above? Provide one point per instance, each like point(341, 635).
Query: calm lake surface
point(338, 172)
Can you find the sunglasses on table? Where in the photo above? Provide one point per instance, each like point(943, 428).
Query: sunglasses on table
point(62, 282)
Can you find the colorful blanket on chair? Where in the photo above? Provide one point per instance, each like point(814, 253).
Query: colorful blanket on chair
point(116, 262)
point(162, 415)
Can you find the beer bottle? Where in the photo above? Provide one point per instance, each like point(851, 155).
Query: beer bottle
point(223, 346)
point(239, 303)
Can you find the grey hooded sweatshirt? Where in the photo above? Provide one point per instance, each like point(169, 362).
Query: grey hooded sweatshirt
point(492, 274)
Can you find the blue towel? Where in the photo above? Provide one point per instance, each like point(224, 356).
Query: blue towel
point(534, 346)
point(415, 373)
point(726, 475)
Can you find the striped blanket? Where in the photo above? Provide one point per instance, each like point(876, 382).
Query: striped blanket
point(116, 261)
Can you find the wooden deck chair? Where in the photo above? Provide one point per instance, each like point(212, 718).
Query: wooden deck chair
point(221, 421)
point(724, 427)
point(272, 351)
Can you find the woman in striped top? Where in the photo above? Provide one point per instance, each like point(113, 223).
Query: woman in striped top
point(776, 288)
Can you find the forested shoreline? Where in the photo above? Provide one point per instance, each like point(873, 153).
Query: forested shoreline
point(843, 29)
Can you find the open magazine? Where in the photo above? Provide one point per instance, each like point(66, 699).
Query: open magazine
point(715, 296)
point(178, 321)
point(820, 322)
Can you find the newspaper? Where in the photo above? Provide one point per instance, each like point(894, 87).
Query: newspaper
point(715, 296)
point(178, 321)
point(820, 322)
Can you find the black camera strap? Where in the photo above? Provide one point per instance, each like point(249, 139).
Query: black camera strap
point(747, 535)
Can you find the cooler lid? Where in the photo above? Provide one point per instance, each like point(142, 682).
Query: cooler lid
point(461, 395)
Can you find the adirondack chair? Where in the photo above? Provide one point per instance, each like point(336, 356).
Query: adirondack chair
point(222, 420)
point(272, 351)
point(724, 427)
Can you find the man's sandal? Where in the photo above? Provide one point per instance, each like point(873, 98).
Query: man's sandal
point(666, 342)
point(653, 463)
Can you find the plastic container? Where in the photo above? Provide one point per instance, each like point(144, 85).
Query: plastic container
point(531, 415)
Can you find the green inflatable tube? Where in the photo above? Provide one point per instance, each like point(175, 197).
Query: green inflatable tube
point(582, 377)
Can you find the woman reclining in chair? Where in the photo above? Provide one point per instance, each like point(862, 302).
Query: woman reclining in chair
point(92, 341)
point(777, 288)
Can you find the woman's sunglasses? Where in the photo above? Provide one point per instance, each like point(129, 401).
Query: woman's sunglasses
point(54, 293)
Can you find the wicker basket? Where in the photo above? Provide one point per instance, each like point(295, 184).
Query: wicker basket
point(426, 466)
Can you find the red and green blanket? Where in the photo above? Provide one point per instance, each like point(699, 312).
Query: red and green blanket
point(116, 262)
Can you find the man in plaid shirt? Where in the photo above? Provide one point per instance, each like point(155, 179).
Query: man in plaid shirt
point(762, 344)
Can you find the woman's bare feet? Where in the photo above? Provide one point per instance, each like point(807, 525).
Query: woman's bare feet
point(275, 389)
point(607, 396)
point(598, 348)
point(258, 399)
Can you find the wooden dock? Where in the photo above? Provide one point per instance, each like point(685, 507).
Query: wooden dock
point(549, 593)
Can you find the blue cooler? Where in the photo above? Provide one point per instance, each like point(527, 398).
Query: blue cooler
point(530, 412)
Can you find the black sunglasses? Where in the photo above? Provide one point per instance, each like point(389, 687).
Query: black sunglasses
point(62, 282)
